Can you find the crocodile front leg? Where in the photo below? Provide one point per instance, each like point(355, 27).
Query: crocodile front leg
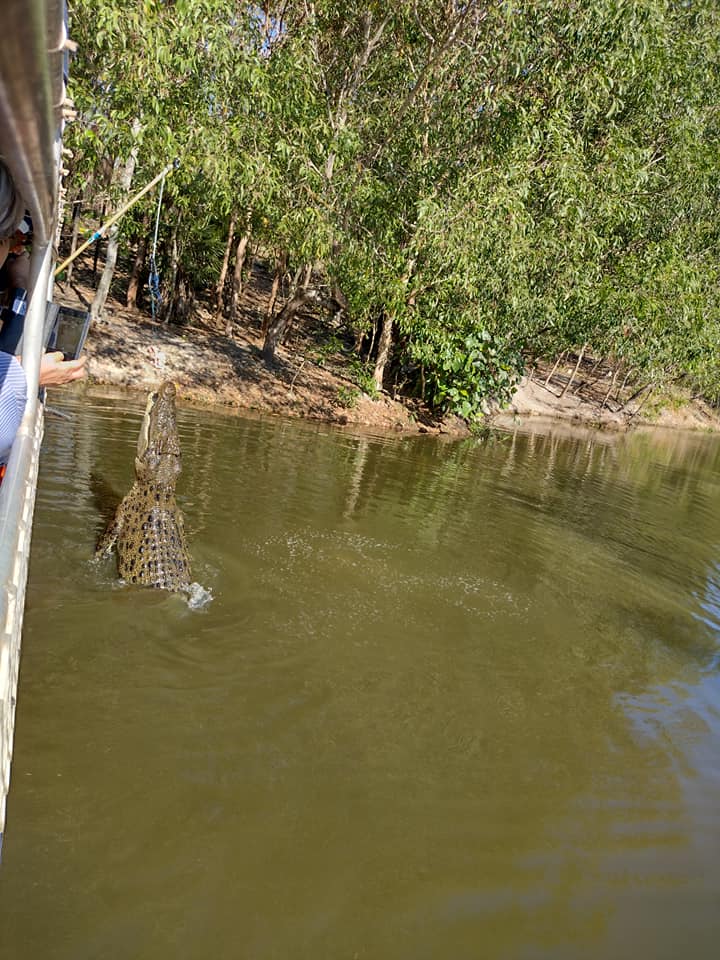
point(109, 538)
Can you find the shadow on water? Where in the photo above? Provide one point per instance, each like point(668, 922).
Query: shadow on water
point(105, 501)
point(451, 699)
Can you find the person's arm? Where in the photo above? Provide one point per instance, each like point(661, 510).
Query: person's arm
point(13, 397)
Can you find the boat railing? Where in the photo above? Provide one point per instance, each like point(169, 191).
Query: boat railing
point(33, 56)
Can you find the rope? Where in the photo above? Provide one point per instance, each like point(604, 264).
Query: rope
point(116, 216)
point(154, 278)
point(154, 286)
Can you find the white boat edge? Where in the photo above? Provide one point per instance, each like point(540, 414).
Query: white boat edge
point(31, 118)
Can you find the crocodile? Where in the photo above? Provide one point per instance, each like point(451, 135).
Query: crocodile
point(147, 528)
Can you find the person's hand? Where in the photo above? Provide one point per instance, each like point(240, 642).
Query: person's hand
point(54, 371)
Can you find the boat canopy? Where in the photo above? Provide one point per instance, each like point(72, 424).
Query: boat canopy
point(32, 91)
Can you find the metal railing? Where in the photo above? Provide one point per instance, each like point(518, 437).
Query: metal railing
point(32, 93)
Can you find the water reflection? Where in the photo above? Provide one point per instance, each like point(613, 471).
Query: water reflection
point(451, 699)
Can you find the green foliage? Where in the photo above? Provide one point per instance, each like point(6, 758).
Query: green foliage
point(347, 397)
point(362, 375)
point(470, 372)
point(331, 347)
point(497, 179)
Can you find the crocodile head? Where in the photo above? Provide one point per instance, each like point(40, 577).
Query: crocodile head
point(158, 457)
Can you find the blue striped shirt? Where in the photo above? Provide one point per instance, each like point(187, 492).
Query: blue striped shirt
point(13, 396)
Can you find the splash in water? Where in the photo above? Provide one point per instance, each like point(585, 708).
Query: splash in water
point(198, 597)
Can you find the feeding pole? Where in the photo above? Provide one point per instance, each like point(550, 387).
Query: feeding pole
point(101, 231)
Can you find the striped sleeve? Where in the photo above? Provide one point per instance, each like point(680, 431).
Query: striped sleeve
point(13, 396)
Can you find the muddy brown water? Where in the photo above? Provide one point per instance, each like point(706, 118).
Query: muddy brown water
point(450, 700)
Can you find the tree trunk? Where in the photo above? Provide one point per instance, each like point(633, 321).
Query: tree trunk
point(77, 207)
point(384, 344)
point(386, 333)
point(184, 300)
point(237, 281)
point(610, 388)
point(373, 336)
point(124, 180)
point(636, 394)
point(618, 396)
point(273, 298)
point(552, 372)
point(359, 337)
point(304, 284)
point(574, 373)
point(281, 323)
point(137, 267)
point(219, 289)
point(642, 403)
point(280, 267)
point(103, 288)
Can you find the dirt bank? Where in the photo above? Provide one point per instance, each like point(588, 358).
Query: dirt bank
point(312, 377)
point(592, 402)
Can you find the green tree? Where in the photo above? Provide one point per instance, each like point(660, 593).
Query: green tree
point(472, 183)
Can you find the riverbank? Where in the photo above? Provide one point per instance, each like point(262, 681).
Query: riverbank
point(594, 400)
point(208, 368)
point(313, 376)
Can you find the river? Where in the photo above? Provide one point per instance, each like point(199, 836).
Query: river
point(450, 699)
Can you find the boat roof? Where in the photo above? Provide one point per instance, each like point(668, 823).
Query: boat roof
point(32, 90)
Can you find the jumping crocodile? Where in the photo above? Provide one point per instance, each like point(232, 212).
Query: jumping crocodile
point(147, 529)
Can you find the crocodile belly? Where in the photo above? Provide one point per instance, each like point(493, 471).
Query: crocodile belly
point(152, 550)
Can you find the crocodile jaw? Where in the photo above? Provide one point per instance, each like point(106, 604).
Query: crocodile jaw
point(158, 449)
point(144, 436)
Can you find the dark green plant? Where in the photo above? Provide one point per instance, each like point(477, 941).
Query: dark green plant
point(362, 375)
point(347, 397)
point(474, 372)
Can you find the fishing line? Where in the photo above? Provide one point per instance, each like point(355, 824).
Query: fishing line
point(154, 278)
